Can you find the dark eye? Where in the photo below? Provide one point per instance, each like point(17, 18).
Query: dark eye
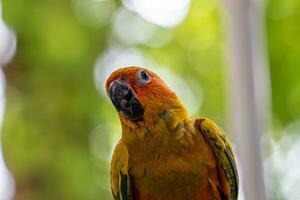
point(142, 77)
point(145, 76)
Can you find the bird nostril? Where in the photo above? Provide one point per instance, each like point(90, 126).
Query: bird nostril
point(123, 103)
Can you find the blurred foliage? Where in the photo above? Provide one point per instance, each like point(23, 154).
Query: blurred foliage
point(283, 29)
point(54, 110)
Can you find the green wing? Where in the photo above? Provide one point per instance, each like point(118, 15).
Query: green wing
point(227, 169)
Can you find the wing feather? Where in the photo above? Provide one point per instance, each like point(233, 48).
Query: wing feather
point(120, 179)
point(124, 186)
point(228, 174)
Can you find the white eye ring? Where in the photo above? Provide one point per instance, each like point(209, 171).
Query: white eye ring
point(143, 77)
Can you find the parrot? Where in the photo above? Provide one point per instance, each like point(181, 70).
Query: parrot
point(164, 153)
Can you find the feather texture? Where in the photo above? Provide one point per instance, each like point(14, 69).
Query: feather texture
point(228, 174)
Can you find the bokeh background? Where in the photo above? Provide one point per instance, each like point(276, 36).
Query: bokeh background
point(59, 128)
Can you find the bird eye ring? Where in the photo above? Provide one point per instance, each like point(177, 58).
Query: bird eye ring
point(143, 77)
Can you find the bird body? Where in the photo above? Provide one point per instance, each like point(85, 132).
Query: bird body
point(163, 153)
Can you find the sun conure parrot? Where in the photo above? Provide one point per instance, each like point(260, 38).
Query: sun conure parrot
point(163, 153)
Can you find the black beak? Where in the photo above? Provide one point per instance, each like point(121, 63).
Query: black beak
point(125, 101)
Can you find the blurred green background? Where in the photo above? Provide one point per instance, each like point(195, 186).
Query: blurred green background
point(59, 128)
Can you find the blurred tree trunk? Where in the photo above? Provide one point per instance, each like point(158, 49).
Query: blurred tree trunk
point(250, 91)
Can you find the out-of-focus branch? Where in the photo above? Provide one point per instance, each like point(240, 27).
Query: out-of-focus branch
point(250, 93)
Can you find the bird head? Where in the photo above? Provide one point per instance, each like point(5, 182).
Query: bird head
point(141, 97)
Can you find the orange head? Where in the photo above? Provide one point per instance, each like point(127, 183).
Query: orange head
point(139, 95)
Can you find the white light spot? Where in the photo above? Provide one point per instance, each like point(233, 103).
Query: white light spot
point(8, 43)
point(166, 13)
point(128, 4)
point(131, 29)
point(282, 167)
point(7, 186)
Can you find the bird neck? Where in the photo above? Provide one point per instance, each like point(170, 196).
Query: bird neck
point(161, 124)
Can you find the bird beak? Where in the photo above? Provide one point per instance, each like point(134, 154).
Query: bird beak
point(125, 100)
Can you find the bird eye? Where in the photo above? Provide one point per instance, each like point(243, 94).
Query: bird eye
point(143, 77)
